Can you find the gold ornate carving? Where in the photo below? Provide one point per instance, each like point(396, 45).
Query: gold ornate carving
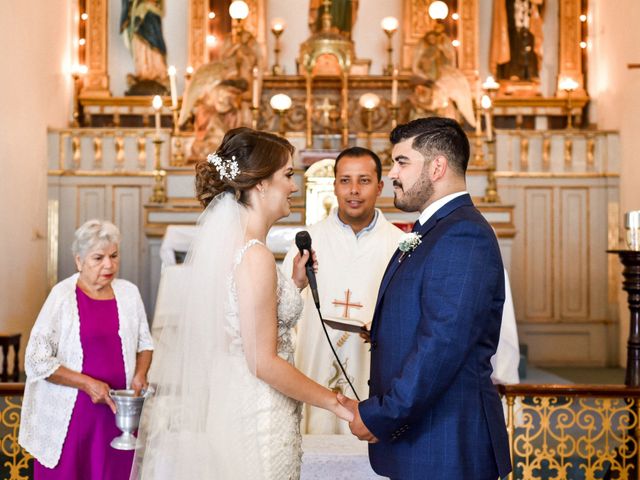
point(524, 153)
point(197, 33)
point(76, 154)
point(97, 151)
point(546, 152)
point(119, 144)
point(96, 83)
point(569, 436)
point(16, 458)
point(570, 55)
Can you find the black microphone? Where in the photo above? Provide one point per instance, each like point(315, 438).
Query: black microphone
point(303, 242)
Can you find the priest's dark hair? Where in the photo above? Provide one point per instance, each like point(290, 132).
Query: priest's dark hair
point(436, 136)
point(359, 152)
point(258, 155)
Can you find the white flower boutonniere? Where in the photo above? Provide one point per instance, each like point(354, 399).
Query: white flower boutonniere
point(408, 243)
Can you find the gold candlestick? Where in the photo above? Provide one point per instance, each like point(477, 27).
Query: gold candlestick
point(491, 192)
point(255, 113)
point(394, 116)
point(159, 194)
point(277, 27)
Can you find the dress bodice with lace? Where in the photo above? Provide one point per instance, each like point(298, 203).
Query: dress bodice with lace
point(277, 416)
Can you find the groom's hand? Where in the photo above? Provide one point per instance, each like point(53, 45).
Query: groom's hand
point(357, 426)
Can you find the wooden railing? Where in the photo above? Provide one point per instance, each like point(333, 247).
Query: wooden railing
point(573, 432)
point(559, 432)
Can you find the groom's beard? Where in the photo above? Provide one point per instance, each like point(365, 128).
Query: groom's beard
point(414, 199)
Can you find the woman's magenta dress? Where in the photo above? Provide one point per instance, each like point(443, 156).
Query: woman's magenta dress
point(86, 453)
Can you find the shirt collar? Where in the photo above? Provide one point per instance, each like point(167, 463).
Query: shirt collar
point(368, 228)
point(437, 205)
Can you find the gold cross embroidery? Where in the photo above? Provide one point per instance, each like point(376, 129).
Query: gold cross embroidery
point(347, 304)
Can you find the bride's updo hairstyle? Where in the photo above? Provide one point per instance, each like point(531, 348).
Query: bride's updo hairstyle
point(258, 155)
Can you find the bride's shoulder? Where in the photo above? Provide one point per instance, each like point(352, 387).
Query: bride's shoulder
point(256, 258)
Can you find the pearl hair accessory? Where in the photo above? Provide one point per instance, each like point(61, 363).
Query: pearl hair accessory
point(227, 169)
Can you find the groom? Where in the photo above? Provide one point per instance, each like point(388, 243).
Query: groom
point(433, 411)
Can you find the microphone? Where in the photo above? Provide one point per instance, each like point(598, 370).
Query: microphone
point(303, 242)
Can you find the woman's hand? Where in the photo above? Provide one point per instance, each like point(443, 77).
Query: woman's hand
point(341, 411)
point(98, 391)
point(299, 274)
point(139, 383)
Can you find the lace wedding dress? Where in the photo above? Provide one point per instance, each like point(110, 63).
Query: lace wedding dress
point(210, 416)
point(277, 416)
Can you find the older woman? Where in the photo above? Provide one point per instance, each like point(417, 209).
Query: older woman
point(90, 336)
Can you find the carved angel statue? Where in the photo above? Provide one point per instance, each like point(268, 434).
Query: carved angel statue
point(215, 97)
point(434, 61)
point(215, 104)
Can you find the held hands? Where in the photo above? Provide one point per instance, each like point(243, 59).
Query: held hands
point(357, 426)
point(299, 274)
point(99, 392)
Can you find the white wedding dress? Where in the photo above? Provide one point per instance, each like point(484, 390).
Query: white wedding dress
point(277, 416)
point(210, 416)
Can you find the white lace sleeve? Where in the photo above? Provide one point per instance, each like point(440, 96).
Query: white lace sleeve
point(40, 359)
point(145, 341)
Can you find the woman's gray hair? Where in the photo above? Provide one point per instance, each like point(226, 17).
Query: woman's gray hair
point(94, 233)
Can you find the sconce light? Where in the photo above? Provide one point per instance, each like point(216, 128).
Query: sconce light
point(438, 10)
point(369, 101)
point(390, 26)
point(281, 103)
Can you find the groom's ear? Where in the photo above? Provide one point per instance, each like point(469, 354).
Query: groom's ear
point(439, 167)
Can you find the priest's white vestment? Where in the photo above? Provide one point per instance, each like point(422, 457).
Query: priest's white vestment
point(350, 270)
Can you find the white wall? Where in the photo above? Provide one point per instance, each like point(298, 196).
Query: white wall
point(35, 90)
point(615, 91)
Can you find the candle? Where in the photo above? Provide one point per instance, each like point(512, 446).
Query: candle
point(486, 106)
point(394, 88)
point(172, 81)
point(256, 89)
point(157, 105)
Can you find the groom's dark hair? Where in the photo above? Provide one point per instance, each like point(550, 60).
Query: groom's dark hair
point(436, 136)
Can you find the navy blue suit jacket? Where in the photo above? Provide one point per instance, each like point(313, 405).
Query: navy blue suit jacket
point(435, 327)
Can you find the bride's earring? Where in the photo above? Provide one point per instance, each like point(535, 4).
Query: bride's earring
point(262, 193)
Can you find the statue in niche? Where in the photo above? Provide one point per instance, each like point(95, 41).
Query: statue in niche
point(516, 40)
point(439, 82)
point(343, 16)
point(141, 29)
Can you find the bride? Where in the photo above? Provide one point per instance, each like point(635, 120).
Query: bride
point(227, 400)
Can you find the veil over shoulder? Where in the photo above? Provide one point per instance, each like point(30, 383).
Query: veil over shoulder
point(196, 425)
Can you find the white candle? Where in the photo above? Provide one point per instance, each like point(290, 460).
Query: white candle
point(478, 121)
point(394, 88)
point(157, 105)
point(172, 82)
point(486, 106)
point(256, 89)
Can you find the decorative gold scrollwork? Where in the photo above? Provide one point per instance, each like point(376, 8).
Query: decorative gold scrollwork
point(567, 437)
point(16, 459)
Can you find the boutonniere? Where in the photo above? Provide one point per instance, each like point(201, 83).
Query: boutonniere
point(408, 243)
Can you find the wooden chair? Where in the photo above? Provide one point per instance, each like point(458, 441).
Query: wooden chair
point(7, 341)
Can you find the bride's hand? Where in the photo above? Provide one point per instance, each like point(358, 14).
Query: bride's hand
point(299, 274)
point(343, 412)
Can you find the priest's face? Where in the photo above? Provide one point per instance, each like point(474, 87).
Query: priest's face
point(357, 189)
point(412, 185)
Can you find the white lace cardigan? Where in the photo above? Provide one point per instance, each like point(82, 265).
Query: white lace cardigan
point(55, 341)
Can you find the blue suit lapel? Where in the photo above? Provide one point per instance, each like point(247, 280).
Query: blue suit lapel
point(394, 264)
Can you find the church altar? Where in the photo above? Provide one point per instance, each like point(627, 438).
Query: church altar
point(544, 179)
point(338, 457)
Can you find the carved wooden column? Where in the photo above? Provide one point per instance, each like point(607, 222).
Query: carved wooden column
point(630, 259)
point(96, 82)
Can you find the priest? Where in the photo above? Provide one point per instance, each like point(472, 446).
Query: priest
point(353, 246)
